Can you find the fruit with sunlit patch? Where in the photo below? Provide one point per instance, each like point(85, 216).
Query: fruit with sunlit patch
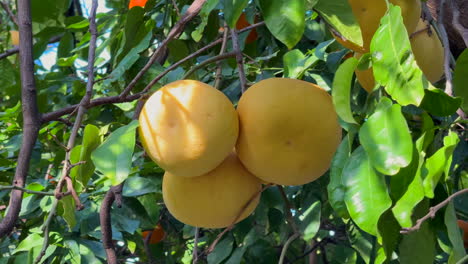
point(428, 51)
point(157, 234)
point(188, 127)
point(140, 3)
point(289, 131)
point(215, 199)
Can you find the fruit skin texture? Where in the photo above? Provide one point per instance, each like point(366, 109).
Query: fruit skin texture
point(212, 200)
point(464, 226)
point(188, 127)
point(366, 77)
point(369, 12)
point(289, 131)
point(243, 23)
point(133, 3)
point(428, 52)
point(157, 235)
point(14, 37)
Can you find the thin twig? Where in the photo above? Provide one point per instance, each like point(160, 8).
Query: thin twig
point(151, 259)
point(31, 116)
point(105, 220)
point(456, 23)
point(432, 212)
point(195, 246)
point(227, 229)
point(447, 54)
point(219, 70)
point(285, 247)
point(320, 244)
point(118, 99)
point(289, 207)
point(13, 187)
point(9, 52)
point(191, 12)
point(9, 12)
point(174, 3)
point(239, 59)
point(209, 61)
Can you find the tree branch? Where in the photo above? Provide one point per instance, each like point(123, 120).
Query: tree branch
point(432, 212)
point(285, 247)
point(195, 246)
point(192, 11)
point(457, 25)
point(447, 54)
point(209, 61)
point(13, 187)
point(239, 59)
point(31, 116)
point(114, 193)
point(219, 70)
point(9, 12)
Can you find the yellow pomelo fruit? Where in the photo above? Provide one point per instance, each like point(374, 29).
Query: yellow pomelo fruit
point(215, 199)
point(188, 127)
point(14, 37)
point(428, 52)
point(369, 12)
point(289, 131)
point(365, 77)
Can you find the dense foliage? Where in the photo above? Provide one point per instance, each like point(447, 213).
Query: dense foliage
point(404, 145)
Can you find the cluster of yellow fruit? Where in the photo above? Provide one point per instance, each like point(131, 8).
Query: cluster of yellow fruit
point(284, 131)
point(425, 44)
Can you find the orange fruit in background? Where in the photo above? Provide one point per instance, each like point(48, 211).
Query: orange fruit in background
point(14, 37)
point(133, 3)
point(243, 23)
point(157, 235)
point(464, 226)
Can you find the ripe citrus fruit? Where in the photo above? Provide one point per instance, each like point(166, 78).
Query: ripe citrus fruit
point(289, 131)
point(214, 199)
point(243, 23)
point(133, 3)
point(365, 77)
point(428, 51)
point(369, 12)
point(156, 236)
point(188, 127)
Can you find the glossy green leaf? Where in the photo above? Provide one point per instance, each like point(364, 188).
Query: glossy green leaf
point(285, 19)
point(113, 158)
point(82, 174)
point(221, 251)
point(407, 187)
point(136, 186)
point(197, 34)
point(419, 246)
point(460, 79)
point(361, 241)
point(386, 138)
point(233, 10)
point(454, 234)
point(34, 186)
point(296, 63)
point(366, 194)
point(341, 92)
point(393, 62)
point(434, 167)
point(339, 15)
point(438, 103)
point(31, 241)
point(236, 256)
point(389, 235)
point(310, 220)
point(68, 211)
point(336, 188)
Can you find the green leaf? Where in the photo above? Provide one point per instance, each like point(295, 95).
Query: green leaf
point(386, 138)
point(339, 15)
point(221, 251)
point(34, 186)
point(82, 174)
point(393, 62)
point(366, 193)
point(82, 24)
point(233, 10)
point(438, 103)
point(434, 166)
point(336, 188)
point(296, 63)
point(460, 79)
point(236, 256)
point(68, 212)
point(419, 246)
point(114, 157)
point(137, 186)
point(31, 241)
point(197, 34)
point(285, 19)
point(310, 220)
point(342, 90)
point(361, 241)
point(407, 187)
point(456, 238)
